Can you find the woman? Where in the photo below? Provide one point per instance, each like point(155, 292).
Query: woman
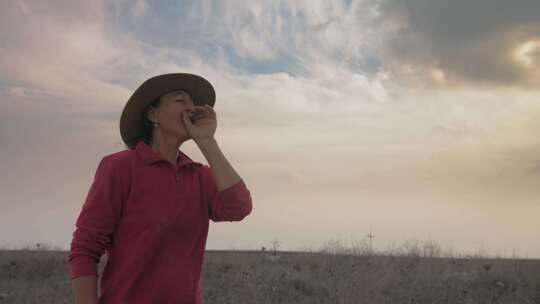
point(149, 206)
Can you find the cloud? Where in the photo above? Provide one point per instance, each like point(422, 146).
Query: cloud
point(98, 65)
point(267, 37)
point(357, 102)
point(472, 43)
point(139, 9)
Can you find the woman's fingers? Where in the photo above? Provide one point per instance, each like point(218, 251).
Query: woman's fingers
point(210, 111)
point(203, 111)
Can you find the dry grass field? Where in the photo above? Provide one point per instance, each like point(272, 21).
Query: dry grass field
point(412, 274)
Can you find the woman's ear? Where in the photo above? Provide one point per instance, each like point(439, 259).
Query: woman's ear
point(151, 115)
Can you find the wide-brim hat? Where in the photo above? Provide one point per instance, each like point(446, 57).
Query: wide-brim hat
point(131, 122)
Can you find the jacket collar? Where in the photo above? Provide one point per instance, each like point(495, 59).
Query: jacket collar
point(149, 156)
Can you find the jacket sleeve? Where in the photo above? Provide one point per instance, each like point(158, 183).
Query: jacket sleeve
point(97, 220)
point(231, 204)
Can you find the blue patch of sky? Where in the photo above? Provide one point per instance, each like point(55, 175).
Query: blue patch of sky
point(286, 56)
point(165, 23)
point(172, 24)
point(281, 62)
point(169, 24)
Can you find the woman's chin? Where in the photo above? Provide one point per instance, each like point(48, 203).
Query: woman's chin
point(184, 135)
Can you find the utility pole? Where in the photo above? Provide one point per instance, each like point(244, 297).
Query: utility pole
point(370, 236)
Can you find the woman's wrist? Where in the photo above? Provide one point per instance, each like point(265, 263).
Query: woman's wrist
point(205, 140)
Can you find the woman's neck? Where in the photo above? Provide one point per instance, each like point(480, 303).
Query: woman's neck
point(166, 147)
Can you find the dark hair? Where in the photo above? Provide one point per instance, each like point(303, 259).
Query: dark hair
point(147, 125)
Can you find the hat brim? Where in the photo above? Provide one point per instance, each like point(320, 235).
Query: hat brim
point(131, 121)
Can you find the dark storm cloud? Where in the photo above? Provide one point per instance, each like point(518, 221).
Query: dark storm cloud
point(471, 41)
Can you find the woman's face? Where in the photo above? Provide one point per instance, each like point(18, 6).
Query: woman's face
point(169, 112)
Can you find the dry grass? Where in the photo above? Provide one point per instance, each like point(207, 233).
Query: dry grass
point(413, 273)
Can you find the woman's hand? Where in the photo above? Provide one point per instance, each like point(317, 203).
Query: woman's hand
point(204, 122)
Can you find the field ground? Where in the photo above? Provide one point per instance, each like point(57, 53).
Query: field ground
point(41, 276)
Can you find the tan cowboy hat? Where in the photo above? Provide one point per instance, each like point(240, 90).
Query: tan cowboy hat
point(131, 121)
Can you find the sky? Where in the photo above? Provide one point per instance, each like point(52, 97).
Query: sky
point(417, 118)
